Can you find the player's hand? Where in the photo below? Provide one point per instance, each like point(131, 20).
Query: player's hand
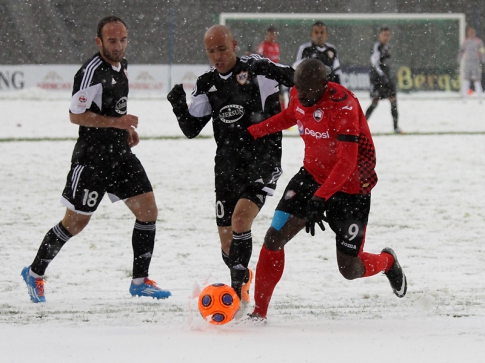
point(127, 122)
point(177, 96)
point(133, 138)
point(315, 214)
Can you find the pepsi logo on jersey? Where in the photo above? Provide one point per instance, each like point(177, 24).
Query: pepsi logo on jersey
point(317, 135)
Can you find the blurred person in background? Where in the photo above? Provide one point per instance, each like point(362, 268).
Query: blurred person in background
point(318, 48)
point(381, 84)
point(270, 49)
point(471, 57)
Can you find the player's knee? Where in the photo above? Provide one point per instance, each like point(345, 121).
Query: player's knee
point(273, 240)
point(352, 268)
point(240, 223)
point(348, 272)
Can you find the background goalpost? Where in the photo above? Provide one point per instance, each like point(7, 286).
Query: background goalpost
point(424, 46)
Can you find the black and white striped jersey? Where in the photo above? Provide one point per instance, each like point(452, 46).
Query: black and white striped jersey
point(247, 95)
point(103, 89)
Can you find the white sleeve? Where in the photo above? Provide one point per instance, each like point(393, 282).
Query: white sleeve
point(375, 58)
point(82, 99)
point(336, 65)
point(199, 105)
point(299, 54)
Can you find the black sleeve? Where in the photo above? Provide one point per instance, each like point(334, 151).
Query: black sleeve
point(280, 73)
point(190, 125)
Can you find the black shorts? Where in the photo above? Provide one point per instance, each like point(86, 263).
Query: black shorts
point(227, 198)
point(379, 90)
point(87, 184)
point(347, 214)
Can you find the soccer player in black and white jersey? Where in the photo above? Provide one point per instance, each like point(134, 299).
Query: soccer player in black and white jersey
point(102, 162)
point(381, 84)
point(318, 48)
point(236, 93)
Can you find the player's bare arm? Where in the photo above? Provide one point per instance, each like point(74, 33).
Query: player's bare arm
point(91, 119)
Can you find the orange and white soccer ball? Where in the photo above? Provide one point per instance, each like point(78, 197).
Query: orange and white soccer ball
point(218, 303)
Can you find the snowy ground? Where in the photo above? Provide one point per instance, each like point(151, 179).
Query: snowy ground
point(427, 206)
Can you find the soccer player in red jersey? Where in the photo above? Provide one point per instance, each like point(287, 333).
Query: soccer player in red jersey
point(334, 185)
point(270, 49)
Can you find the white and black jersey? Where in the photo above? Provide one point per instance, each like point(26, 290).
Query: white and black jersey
point(381, 84)
point(379, 60)
point(326, 53)
point(247, 95)
point(102, 89)
point(102, 161)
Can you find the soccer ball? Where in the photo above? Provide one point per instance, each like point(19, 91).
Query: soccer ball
point(218, 303)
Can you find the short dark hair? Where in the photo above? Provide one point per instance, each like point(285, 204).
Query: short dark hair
point(319, 23)
point(107, 20)
point(384, 28)
point(271, 29)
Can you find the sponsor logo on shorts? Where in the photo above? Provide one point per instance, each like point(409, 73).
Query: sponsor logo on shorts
point(348, 245)
point(121, 105)
point(231, 113)
point(317, 135)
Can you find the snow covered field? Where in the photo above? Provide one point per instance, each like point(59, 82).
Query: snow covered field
point(428, 206)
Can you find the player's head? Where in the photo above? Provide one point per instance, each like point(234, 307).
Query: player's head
point(470, 32)
point(384, 34)
point(319, 33)
point(310, 81)
point(112, 39)
point(220, 47)
point(271, 34)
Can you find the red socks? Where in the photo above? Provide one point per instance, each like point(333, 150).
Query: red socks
point(268, 273)
point(376, 263)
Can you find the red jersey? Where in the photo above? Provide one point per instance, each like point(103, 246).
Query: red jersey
point(339, 151)
point(269, 50)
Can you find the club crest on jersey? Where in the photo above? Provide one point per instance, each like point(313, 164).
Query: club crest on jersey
point(330, 54)
point(121, 105)
point(231, 113)
point(242, 77)
point(318, 115)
